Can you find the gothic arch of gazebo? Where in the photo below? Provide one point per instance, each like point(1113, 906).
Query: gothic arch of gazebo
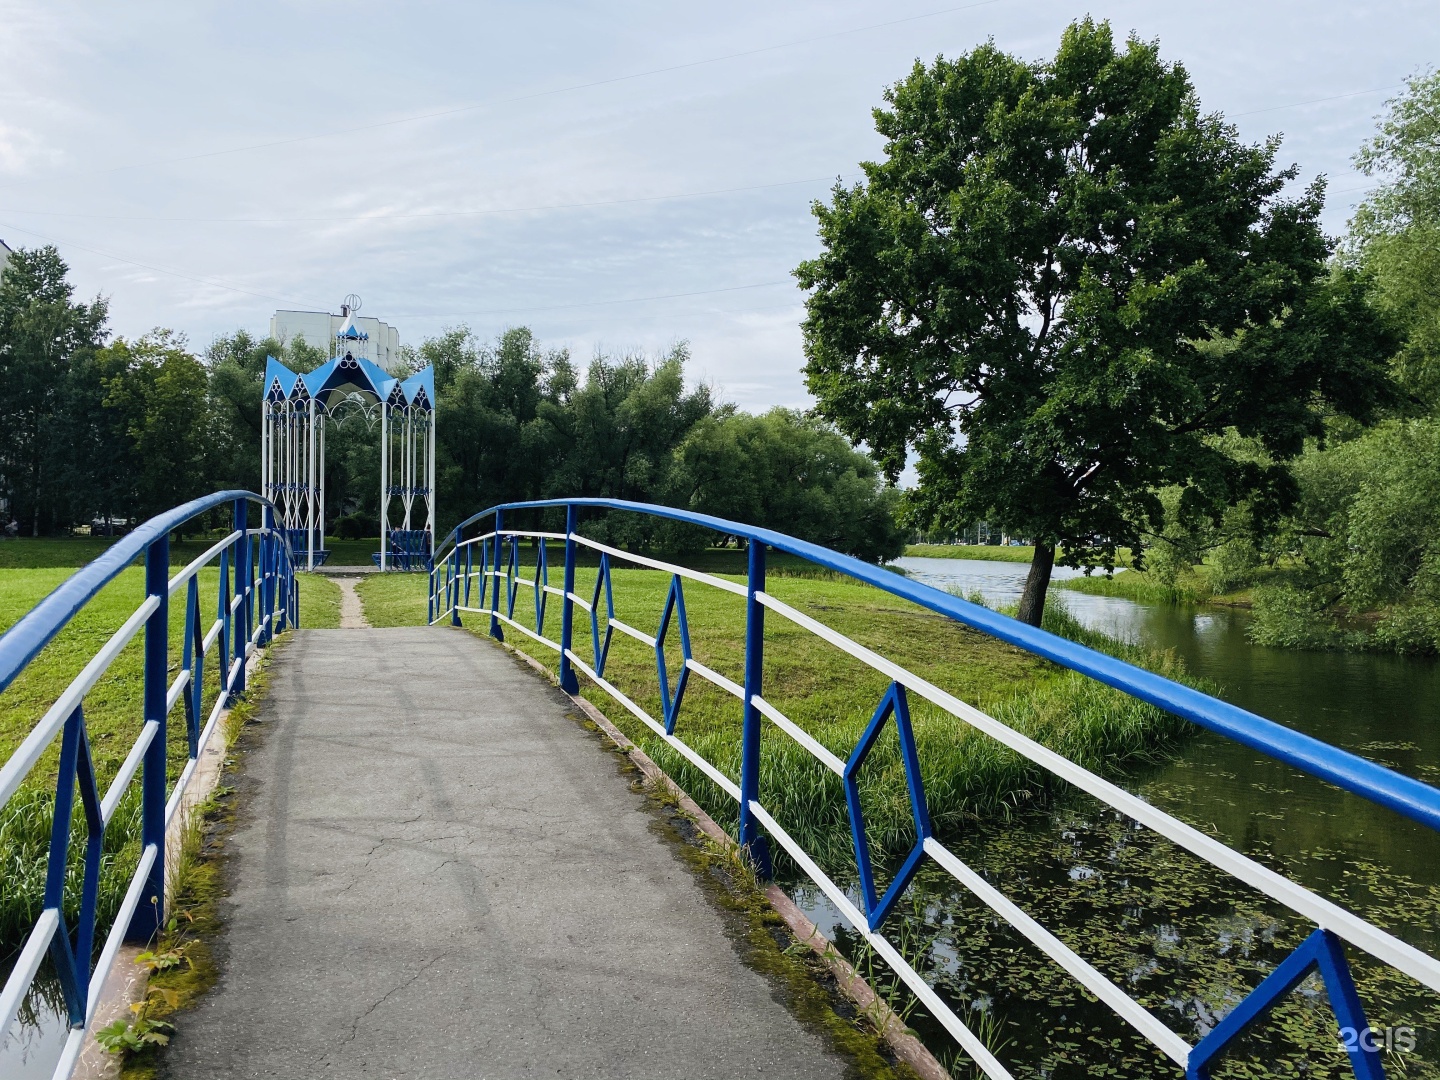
point(295, 411)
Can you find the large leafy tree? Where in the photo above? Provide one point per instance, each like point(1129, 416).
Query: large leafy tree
point(791, 472)
point(45, 336)
point(159, 388)
point(493, 422)
point(1395, 234)
point(1061, 284)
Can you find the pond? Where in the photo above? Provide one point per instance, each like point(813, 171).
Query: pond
point(1163, 924)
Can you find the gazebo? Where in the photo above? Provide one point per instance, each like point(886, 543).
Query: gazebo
point(294, 413)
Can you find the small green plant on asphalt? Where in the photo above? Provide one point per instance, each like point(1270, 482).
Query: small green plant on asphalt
point(133, 1036)
point(153, 960)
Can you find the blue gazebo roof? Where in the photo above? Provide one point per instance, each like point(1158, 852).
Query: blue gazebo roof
point(282, 384)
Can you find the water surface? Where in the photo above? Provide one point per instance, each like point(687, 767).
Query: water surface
point(1165, 926)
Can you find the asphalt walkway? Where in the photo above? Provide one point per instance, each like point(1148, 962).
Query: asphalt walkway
point(437, 873)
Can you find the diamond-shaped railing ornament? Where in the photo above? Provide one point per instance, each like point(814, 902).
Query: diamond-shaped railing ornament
point(512, 576)
point(484, 550)
point(542, 581)
point(674, 605)
point(1323, 952)
point(72, 960)
point(894, 704)
point(602, 648)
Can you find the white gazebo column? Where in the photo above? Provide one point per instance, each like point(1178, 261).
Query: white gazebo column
point(409, 466)
point(384, 483)
point(265, 448)
point(320, 524)
point(284, 490)
point(290, 465)
point(310, 489)
point(430, 481)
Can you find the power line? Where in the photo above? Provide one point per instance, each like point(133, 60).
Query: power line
point(587, 304)
point(1317, 101)
point(438, 113)
point(437, 213)
point(156, 269)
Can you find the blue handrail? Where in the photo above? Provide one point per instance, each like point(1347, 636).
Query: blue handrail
point(35, 629)
point(1355, 774)
point(260, 600)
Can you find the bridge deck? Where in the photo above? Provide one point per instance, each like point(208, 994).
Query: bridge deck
point(436, 873)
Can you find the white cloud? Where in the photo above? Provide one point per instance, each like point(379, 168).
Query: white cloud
point(100, 102)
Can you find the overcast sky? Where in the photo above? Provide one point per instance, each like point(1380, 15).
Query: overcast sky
point(615, 176)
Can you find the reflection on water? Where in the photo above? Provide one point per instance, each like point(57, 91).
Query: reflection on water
point(31, 1048)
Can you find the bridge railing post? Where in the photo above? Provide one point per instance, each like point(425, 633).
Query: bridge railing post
point(240, 625)
point(150, 913)
point(568, 682)
point(270, 572)
point(495, 631)
point(750, 838)
point(469, 567)
point(453, 588)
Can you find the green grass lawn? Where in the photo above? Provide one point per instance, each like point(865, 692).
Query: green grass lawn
point(112, 718)
point(832, 696)
point(987, 552)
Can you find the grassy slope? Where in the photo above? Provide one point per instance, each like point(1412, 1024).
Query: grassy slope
point(986, 552)
point(1190, 588)
point(319, 602)
point(832, 696)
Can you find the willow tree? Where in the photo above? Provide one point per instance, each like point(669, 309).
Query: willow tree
point(1061, 284)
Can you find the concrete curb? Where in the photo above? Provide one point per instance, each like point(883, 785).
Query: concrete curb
point(852, 984)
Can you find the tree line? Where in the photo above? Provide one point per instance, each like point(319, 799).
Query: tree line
point(94, 431)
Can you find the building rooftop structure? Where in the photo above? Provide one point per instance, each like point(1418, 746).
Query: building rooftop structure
point(369, 338)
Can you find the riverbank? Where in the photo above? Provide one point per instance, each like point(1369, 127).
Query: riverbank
point(1285, 615)
point(984, 552)
point(967, 776)
point(1141, 587)
point(113, 720)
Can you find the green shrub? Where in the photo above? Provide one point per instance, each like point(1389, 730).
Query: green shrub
point(356, 527)
point(1413, 629)
point(1290, 618)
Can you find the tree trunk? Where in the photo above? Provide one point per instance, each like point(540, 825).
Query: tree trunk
point(1037, 583)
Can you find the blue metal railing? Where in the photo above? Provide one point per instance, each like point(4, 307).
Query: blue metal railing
point(256, 597)
point(472, 568)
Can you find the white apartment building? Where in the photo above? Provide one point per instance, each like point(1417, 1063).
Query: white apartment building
point(5, 252)
point(319, 328)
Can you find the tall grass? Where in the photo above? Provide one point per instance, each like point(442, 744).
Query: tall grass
point(1141, 587)
point(24, 857)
